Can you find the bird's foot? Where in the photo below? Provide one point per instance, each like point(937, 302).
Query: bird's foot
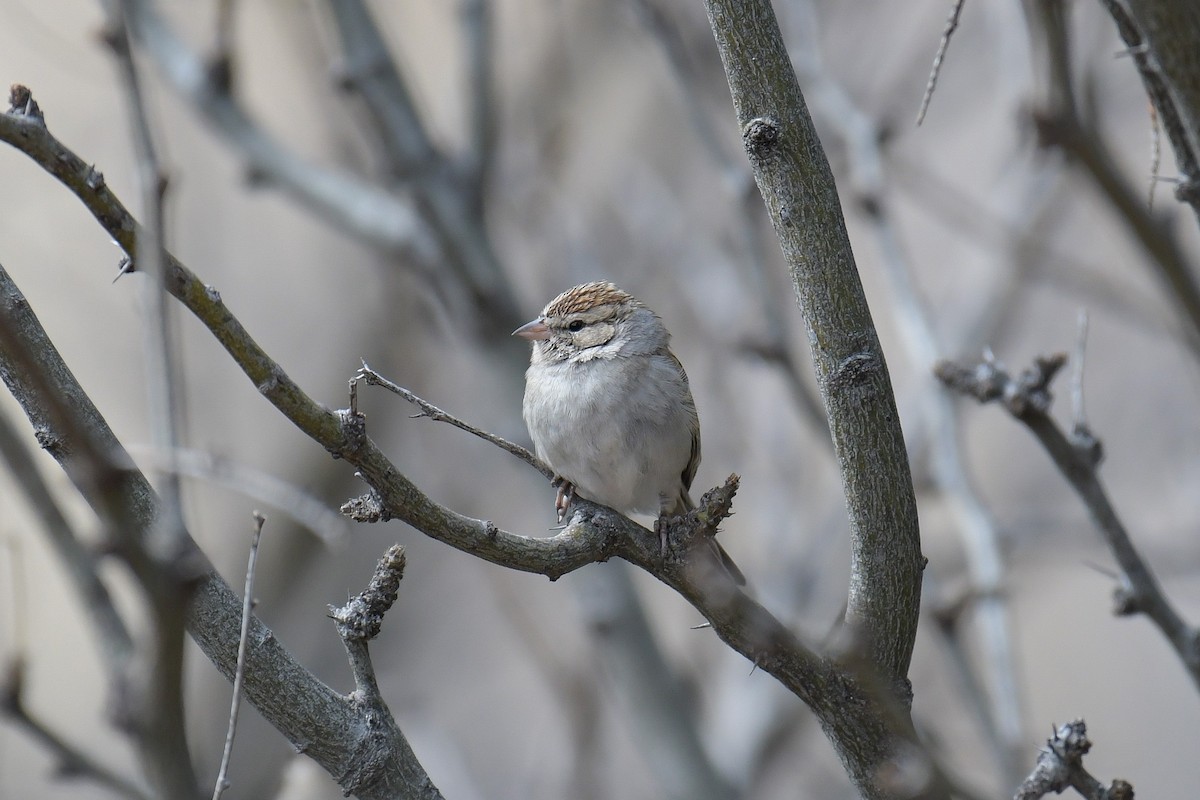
point(662, 525)
point(563, 497)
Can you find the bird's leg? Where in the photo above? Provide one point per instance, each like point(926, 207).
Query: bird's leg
point(660, 527)
point(563, 497)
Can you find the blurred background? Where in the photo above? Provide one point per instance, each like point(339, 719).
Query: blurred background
point(615, 155)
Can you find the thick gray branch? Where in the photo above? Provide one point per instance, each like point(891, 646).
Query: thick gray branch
point(797, 185)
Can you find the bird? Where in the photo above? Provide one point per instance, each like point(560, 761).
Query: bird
point(609, 406)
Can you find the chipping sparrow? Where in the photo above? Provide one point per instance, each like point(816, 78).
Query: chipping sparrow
point(608, 405)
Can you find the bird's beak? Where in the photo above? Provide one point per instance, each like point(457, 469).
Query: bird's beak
point(534, 331)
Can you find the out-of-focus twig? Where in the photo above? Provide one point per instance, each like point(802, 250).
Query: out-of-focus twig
point(365, 210)
point(239, 674)
point(939, 57)
point(1059, 125)
point(1161, 39)
point(443, 200)
point(478, 27)
point(112, 636)
point(156, 708)
point(303, 507)
point(72, 761)
point(1154, 235)
point(1027, 397)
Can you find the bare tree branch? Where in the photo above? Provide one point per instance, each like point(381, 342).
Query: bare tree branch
point(278, 687)
point(158, 722)
point(434, 181)
point(365, 210)
point(1060, 766)
point(1027, 397)
point(113, 639)
point(794, 178)
point(317, 720)
point(863, 140)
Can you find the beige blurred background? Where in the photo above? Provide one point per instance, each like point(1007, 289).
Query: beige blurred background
point(600, 174)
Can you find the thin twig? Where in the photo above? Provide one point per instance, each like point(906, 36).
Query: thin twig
point(437, 415)
point(943, 46)
point(239, 674)
point(347, 202)
point(304, 709)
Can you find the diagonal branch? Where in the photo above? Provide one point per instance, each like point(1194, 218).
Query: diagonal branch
point(1027, 397)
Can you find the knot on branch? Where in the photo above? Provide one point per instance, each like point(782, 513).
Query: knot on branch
point(362, 616)
point(22, 104)
point(1028, 393)
point(760, 137)
point(365, 508)
point(854, 375)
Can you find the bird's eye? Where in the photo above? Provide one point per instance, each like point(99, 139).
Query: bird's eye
point(575, 325)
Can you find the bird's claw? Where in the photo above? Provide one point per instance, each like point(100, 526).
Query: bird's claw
point(563, 497)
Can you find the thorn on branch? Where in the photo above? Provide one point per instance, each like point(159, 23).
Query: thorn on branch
point(362, 616)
